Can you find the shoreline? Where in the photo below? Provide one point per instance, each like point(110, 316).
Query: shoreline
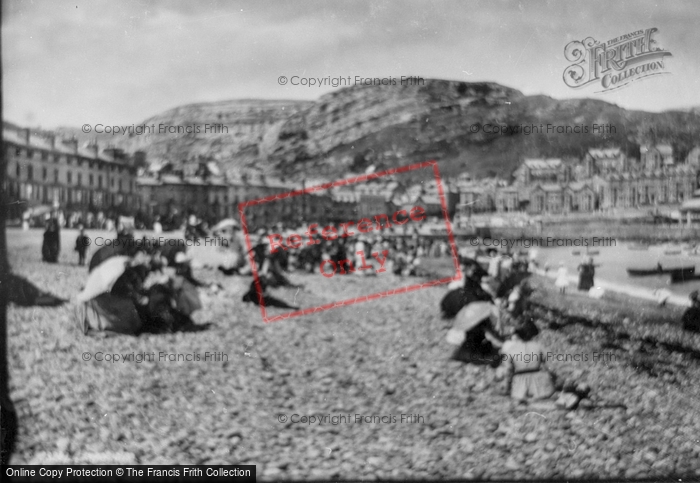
point(625, 289)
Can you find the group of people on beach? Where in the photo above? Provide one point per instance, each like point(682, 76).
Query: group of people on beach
point(275, 267)
point(136, 286)
point(405, 253)
point(493, 325)
point(482, 284)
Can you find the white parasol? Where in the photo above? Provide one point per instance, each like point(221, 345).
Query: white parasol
point(103, 277)
point(224, 224)
point(468, 318)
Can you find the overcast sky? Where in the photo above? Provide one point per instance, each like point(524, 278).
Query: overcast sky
point(66, 63)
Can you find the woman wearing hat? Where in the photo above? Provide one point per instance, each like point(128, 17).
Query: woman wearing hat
point(469, 290)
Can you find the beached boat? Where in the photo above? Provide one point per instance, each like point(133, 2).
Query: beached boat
point(643, 272)
point(682, 274)
point(677, 273)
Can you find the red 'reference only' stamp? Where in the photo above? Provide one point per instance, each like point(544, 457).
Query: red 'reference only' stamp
point(345, 226)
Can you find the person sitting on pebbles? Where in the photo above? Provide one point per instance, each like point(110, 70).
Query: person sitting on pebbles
point(691, 317)
point(523, 359)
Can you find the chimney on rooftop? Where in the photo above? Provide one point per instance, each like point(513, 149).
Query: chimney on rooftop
point(71, 144)
point(116, 153)
point(93, 148)
point(140, 159)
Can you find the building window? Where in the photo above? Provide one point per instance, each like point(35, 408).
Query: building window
point(69, 177)
point(18, 152)
point(99, 181)
point(91, 179)
point(30, 153)
point(30, 172)
point(111, 182)
point(44, 155)
point(55, 176)
point(80, 179)
point(44, 173)
point(120, 186)
point(18, 170)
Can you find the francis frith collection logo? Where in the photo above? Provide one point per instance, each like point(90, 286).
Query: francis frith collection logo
point(616, 63)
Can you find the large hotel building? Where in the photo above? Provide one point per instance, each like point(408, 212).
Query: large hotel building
point(47, 170)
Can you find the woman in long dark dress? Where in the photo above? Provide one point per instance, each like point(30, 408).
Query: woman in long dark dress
point(455, 300)
point(586, 274)
point(52, 242)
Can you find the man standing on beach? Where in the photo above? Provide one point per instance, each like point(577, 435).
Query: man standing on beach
point(81, 244)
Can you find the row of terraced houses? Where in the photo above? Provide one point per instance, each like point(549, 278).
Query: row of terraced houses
point(48, 170)
point(603, 179)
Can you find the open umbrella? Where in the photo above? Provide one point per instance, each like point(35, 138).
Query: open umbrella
point(38, 211)
point(468, 318)
point(223, 224)
point(103, 277)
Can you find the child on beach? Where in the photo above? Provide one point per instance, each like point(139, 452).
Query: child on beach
point(562, 281)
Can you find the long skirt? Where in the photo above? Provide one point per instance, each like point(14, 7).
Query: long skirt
point(532, 385)
point(50, 249)
point(585, 281)
point(108, 313)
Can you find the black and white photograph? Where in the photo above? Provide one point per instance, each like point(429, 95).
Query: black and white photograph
point(350, 241)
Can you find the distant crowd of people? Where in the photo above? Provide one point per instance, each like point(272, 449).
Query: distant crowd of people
point(404, 254)
point(483, 281)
